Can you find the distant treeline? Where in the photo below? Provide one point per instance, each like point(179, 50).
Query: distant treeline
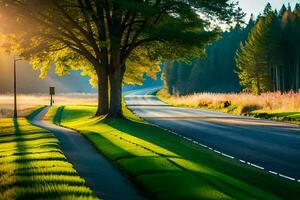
point(262, 56)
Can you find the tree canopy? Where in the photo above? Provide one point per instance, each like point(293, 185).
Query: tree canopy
point(106, 38)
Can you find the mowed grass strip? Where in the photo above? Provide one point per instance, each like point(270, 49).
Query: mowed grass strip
point(32, 166)
point(277, 115)
point(168, 167)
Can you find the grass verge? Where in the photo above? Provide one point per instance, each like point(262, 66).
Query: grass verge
point(32, 166)
point(168, 167)
point(242, 106)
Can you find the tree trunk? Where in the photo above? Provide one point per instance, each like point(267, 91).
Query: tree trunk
point(258, 85)
point(277, 79)
point(283, 73)
point(270, 78)
point(102, 75)
point(116, 74)
point(297, 74)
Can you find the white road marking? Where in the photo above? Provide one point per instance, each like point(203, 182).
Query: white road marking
point(273, 172)
point(203, 145)
point(287, 177)
point(257, 166)
point(228, 156)
point(217, 151)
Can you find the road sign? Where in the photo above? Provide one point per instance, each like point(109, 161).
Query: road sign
point(52, 90)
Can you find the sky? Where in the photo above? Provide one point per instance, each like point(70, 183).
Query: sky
point(257, 6)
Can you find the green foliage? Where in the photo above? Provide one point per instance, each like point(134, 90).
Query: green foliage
point(32, 166)
point(269, 59)
point(215, 73)
point(167, 167)
point(103, 38)
point(69, 34)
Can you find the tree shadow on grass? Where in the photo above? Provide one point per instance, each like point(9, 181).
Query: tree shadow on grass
point(16, 149)
point(191, 152)
point(174, 145)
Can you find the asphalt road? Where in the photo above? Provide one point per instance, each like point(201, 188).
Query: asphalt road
point(273, 146)
point(103, 178)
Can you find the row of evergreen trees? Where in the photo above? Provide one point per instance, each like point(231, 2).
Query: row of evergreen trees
point(263, 56)
point(216, 73)
point(270, 58)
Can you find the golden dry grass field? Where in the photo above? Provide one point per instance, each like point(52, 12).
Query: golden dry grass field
point(289, 101)
point(27, 102)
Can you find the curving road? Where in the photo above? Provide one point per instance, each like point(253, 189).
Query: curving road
point(266, 144)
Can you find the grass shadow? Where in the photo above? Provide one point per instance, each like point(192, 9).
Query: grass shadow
point(161, 161)
point(32, 166)
point(188, 151)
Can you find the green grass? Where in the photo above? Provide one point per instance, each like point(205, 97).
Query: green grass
point(277, 115)
point(165, 166)
point(54, 114)
point(32, 166)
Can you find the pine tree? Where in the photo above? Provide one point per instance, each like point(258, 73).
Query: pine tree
point(297, 44)
point(269, 60)
point(268, 9)
point(282, 11)
point(274, 45)
point(252, 61)
point(217, 72)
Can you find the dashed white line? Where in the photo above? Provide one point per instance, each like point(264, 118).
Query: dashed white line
point(273, 172)
point(217, 151)
point(287, 177)
point(203, 145)
point(257, 166)
point(228, 156)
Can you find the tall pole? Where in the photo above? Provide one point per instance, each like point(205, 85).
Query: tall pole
point(51, 100)
point(15, 90)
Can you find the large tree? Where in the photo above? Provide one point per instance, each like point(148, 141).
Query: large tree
point(102, 36)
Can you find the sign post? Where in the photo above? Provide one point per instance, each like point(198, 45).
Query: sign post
point(52, 92)
point(15, 87)
point(15, 90)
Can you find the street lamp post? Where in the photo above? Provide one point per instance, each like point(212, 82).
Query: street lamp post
point(15, 88)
